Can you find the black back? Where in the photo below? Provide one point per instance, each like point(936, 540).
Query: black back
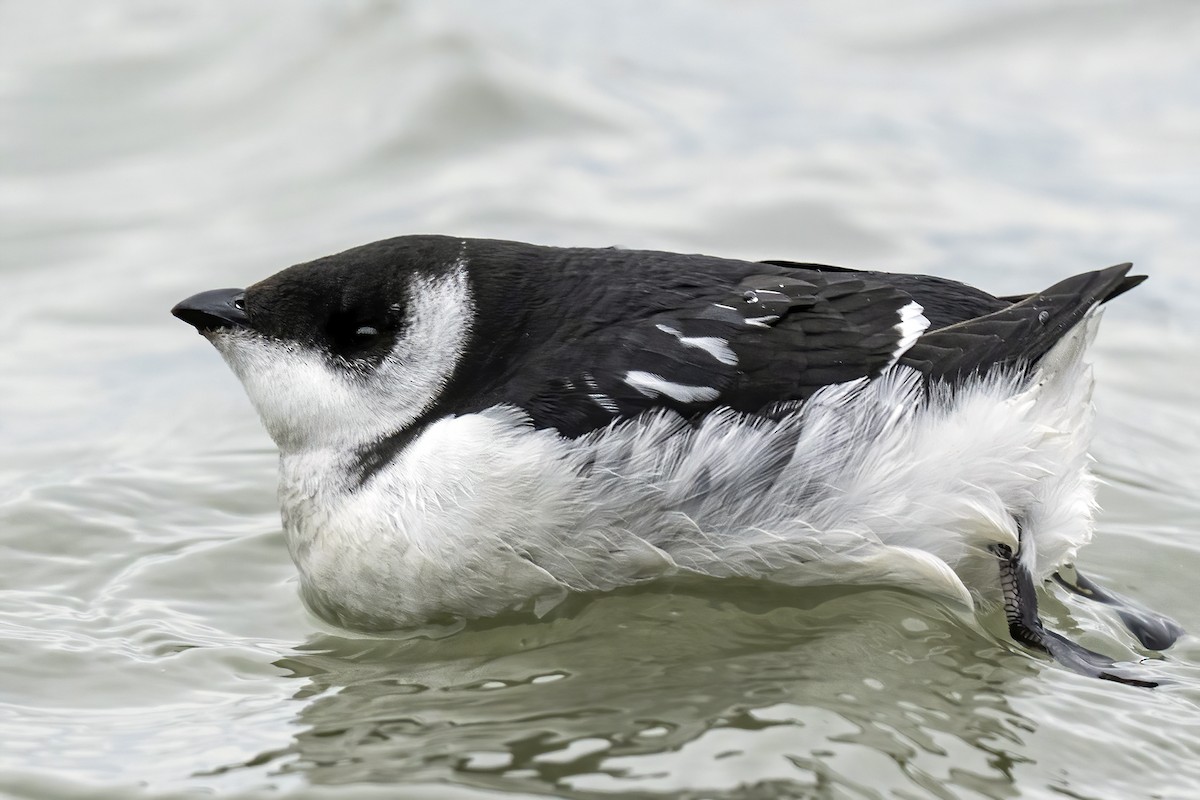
point(580, 337)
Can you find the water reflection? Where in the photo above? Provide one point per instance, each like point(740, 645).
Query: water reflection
point(657, 690)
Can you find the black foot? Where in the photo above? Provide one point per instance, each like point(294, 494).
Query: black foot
point(1153, 630)
point(1024, 625)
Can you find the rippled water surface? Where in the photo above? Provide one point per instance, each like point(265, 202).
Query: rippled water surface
point(151, 637)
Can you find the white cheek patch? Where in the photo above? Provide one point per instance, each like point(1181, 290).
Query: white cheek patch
point(429, 347)
point(308, 402)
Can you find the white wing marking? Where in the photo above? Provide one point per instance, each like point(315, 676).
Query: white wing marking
point(912, 324)
point(652, 385)
point(715, 347)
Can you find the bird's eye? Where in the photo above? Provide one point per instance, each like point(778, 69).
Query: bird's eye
point(353, 337)
point(239, 302)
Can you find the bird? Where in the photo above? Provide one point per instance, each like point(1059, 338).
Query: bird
point(471, 426)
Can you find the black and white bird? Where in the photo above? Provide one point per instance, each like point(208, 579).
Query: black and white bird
point(468, 426)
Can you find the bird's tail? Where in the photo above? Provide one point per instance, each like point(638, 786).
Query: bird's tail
point(1022, 333)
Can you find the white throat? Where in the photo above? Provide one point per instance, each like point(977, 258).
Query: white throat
point(308, 402)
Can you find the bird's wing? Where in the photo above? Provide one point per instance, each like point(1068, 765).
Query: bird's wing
point(770, 338)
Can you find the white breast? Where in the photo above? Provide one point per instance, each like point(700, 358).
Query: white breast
point(461, 522)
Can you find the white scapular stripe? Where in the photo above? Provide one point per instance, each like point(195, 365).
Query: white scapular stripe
point(715, 347)
point(912, 324)
point(652, 385)
point(763, 321)
point(598, 397)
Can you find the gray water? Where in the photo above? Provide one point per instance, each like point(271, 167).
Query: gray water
point(151, 638)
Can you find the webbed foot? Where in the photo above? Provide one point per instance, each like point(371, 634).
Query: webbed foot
point(1153, 630)
point(1024, 625)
